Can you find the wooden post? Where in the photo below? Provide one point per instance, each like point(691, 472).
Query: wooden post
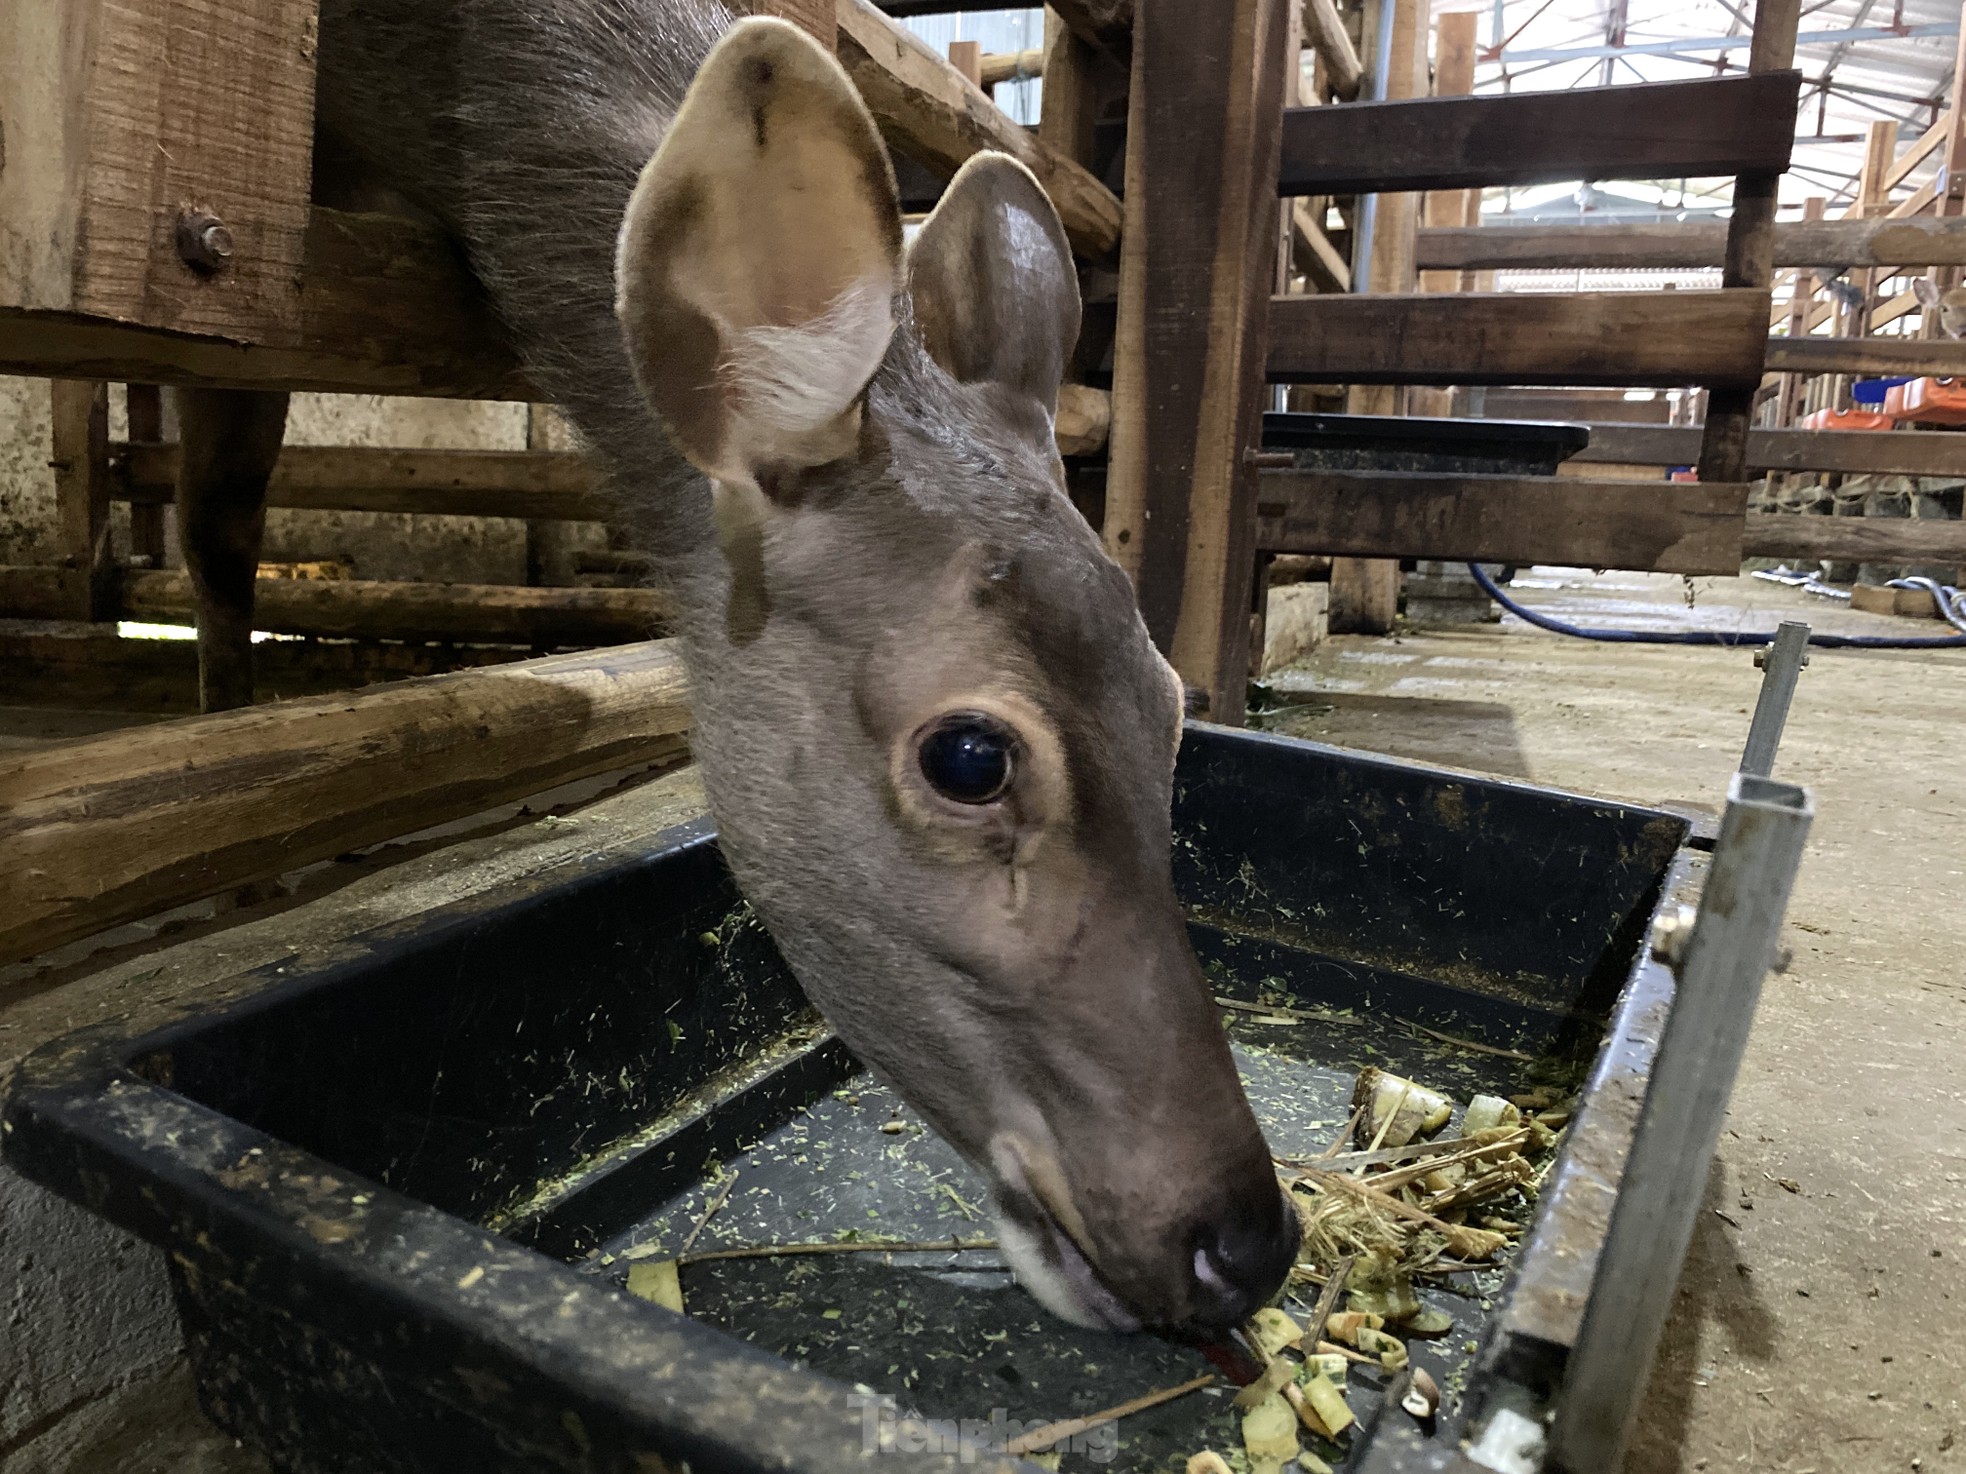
point(1069, 102)
point(230, 440)
point(1750, 251)
point(1199, 238)
point(1365, 591)
point(80, 456)
point(967, 58)
point(1802, 296)
point(1454, 64)
point(1951, 199)
point(146, 415)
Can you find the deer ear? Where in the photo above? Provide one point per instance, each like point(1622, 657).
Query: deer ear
point(995, 292)
point(759, 259)
point(1926, 290)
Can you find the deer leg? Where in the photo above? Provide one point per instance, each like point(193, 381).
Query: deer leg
point(229, 439)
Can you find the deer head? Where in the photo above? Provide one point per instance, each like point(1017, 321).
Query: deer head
point(937, 739)
point(1950, 304)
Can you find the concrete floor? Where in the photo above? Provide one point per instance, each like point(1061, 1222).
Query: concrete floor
point(1815, 1327)
point(1817, 1324)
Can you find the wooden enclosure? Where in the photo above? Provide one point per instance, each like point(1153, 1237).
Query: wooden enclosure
point(1261, 193)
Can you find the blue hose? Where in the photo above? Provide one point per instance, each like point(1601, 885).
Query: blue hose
point(1746, 641)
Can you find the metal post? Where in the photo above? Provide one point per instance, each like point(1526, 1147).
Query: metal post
point(1780, 663)
point(1720, 962)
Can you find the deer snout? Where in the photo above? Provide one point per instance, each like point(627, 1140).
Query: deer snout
point(1240, 1259)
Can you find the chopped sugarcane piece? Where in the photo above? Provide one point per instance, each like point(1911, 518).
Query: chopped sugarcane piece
point(1269, 1433)
point(1325, 1364)
point(1268, 1385)
point(1274, 1331)
point(1486, 1112)
point(1396, 1110)
point(1428, 1323)
point(1208, 1462)
point(1390, 1350)
point(1328, 1403)
point(1346, 1325)
point(659, 1281)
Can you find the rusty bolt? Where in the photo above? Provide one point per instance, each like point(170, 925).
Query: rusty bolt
point(203, 241)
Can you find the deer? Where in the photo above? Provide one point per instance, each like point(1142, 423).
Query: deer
point(934, 734)
point(1948, 302)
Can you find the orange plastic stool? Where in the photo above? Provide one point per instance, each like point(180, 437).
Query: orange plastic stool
point(1928, 401)
point(1849, 419)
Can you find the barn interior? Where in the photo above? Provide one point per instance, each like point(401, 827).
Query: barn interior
point(1496, 390)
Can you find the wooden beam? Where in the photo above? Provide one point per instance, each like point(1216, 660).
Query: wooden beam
point(1854, 452)
point(1616, 338)
point(541, 485)
point(533, 484)
point(79, 456)
point(1939, 357)
point(1912, 157)
point(1675, 527)
point(967, 58)
point(1693, 245)
point(386, 306)
point(1854, 539)
point(130, 120)
point(1365, 591)
point(1312, 252)
point(1325, 29)
point(362, 609)
point(1750, 259)
point(815, 17)
point(109, 829)
point(999, 67)
point(931, 112)
point(1658, 130)
point(1202, 240)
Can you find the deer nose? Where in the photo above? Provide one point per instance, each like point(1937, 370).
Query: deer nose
point(1240, 1261)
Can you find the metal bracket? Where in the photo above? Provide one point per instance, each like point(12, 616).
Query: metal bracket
point(1780, 663)
point(1720, 963)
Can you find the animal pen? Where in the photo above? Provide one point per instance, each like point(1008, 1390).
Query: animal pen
point(1275, 215)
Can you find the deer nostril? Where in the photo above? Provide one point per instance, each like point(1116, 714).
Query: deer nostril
point(1240, 1262)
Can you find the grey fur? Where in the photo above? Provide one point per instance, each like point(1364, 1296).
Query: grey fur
point(944, 552)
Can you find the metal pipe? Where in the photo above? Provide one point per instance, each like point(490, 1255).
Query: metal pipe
point(1720, 961)
point(1781, 664)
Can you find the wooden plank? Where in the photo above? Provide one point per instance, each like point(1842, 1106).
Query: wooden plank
point(1365, 591)
point(128, 117)
point(1853, 539)
point(79, 447)
point(1750, 259)
point(1325, 29)
point(1312, 252)
point(999, 67)
point(499, 614)
point(967, 58)
point(1939, 357)
point(1615, 338)
point(1657, 130)
point(106, 830)
point(385, 307)
point(1854, 452)
point(1194, 287)
point(1693, 244)
point(1912, 157)
point(145, 403)
point(1675, 527)
point(931, 112)
point(546, 485)
point(473, 613)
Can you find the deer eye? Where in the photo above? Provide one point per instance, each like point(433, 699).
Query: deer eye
point(968, 757)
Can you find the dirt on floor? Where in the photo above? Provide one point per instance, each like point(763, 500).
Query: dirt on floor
point(1817, 1325)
